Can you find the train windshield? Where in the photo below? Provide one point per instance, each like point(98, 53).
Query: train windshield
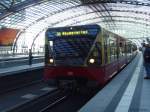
point(71, 46)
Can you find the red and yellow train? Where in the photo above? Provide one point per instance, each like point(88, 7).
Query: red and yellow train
point(86, 54)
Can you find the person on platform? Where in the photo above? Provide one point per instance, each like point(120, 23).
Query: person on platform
point(146, 56)
point(30, 57)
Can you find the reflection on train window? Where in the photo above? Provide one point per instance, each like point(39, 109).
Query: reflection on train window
point(72, 51)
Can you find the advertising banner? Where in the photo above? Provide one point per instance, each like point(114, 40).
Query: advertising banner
point(7, 36)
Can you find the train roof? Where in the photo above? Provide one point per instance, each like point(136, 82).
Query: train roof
point(77, 26)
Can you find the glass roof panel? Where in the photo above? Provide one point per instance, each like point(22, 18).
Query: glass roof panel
point(118, 17)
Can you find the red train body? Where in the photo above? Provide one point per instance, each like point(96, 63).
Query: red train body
point(102, 61)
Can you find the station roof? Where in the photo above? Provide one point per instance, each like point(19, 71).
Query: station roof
point(128, 18)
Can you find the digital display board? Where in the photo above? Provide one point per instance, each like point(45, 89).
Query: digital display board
point(87, 31)
point(69, 33)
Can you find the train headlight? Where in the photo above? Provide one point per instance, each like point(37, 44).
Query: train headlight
point(91, 60)
point(51, 60)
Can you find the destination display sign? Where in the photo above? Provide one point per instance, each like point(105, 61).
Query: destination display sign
point(84, 31)
point(72, 33)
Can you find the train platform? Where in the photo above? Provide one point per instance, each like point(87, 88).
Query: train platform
point(127, 92)
point(19, 69)
point(10, 57)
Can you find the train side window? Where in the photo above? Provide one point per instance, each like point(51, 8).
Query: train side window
point(128, 49)
point(123, 49)
point(105, 52)
point(112, 50)
point(120, 49)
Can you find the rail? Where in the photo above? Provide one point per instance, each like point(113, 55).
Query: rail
point(41, 103)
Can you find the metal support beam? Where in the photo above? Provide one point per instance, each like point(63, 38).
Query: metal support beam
point(109, 15)
point(133, 2)
point(97, 1)
point(4, 6)
point(22, 5)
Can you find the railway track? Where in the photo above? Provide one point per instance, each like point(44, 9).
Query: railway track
point(54, 103)
point(70, 103)
point(48, 101)
point(41, 103)
point(20, 79)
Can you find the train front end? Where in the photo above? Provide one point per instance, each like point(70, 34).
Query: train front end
point(73, 54)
